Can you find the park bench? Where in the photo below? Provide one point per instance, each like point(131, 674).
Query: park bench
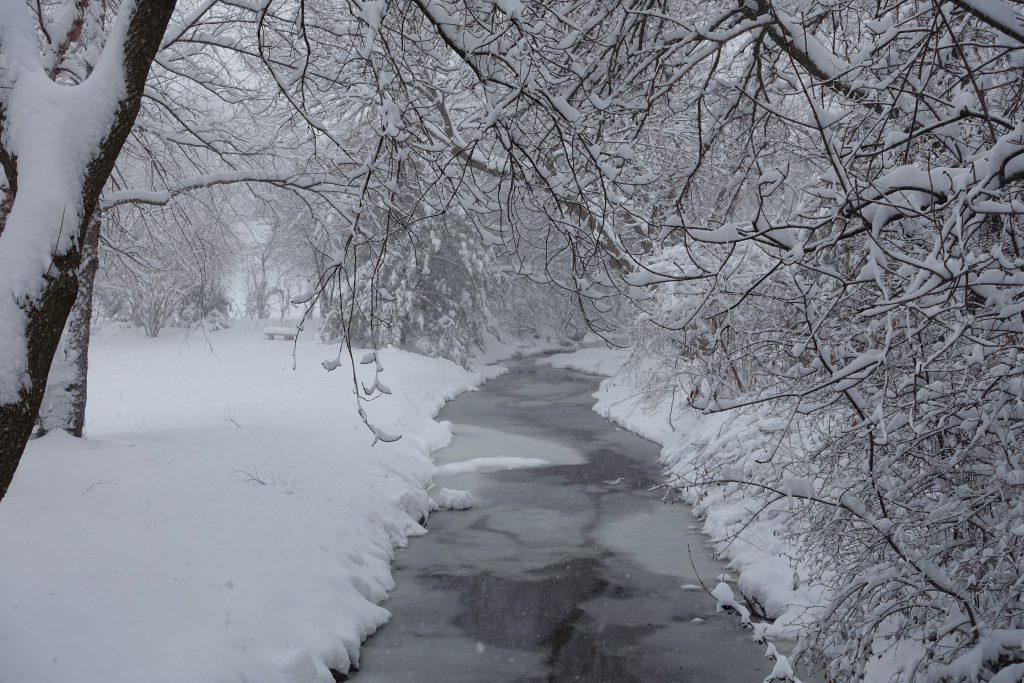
point(286, 333)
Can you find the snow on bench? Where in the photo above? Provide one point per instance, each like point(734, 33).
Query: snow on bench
point(286, 333)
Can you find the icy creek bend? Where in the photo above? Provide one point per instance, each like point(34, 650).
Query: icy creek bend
point(573, 571)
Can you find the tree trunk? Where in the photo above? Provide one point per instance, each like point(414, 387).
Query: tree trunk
point(48, 313)
point(66, 393)
point(45, 325)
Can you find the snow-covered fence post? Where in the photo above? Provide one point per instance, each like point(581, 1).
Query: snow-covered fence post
point(58, 146)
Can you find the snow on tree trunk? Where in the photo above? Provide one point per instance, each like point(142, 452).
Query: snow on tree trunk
point(58, 146)
point(66, 393)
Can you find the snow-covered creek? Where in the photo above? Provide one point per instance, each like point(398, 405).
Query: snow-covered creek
point(573, 571)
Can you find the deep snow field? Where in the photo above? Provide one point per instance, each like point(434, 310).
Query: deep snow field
point(227, 518)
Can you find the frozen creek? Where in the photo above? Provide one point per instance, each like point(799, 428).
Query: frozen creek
point(573, 571)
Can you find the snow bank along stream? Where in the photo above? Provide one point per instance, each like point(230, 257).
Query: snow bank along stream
point(226, 520)
point(568, 567)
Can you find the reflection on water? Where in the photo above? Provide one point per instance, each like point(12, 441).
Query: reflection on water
point(568, 572)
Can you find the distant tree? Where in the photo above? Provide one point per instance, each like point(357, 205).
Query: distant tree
point(430, 297)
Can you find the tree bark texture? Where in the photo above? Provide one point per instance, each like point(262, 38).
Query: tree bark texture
point(66, 393)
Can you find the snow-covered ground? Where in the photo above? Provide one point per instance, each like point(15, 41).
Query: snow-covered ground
point(763, 559)
point(225, 520)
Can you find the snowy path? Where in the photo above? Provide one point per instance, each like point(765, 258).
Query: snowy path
point(571, 571)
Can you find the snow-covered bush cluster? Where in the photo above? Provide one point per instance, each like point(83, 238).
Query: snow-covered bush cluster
point(175, 278)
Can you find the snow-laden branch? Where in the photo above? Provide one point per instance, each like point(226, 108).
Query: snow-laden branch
point(999, 15)
point(302, 182)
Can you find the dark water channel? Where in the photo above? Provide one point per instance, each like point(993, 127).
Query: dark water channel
point(574, 571)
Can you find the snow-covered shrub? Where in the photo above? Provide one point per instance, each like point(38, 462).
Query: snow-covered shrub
point(148, 298)
point(155, 273)
point(216, 320)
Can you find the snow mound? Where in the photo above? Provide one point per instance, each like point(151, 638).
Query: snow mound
point(727, 602)
point(452, 499)
point(783, 671)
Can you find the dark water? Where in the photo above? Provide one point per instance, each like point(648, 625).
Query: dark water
point(572, 572)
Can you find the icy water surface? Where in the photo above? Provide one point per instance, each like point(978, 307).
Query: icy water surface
point(573, 571)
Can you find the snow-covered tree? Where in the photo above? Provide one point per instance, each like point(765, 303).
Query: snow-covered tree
point(860, 273)
point(70, 87)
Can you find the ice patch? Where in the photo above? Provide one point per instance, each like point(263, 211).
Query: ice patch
point(472, 442)
point(593, 361)
point(659, 543)
point(492, 464)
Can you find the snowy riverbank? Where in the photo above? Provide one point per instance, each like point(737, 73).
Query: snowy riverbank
point(769, 578)
point(225, 519)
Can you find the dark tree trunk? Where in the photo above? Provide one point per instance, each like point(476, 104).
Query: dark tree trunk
point(48, 314)
point(66, 393)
